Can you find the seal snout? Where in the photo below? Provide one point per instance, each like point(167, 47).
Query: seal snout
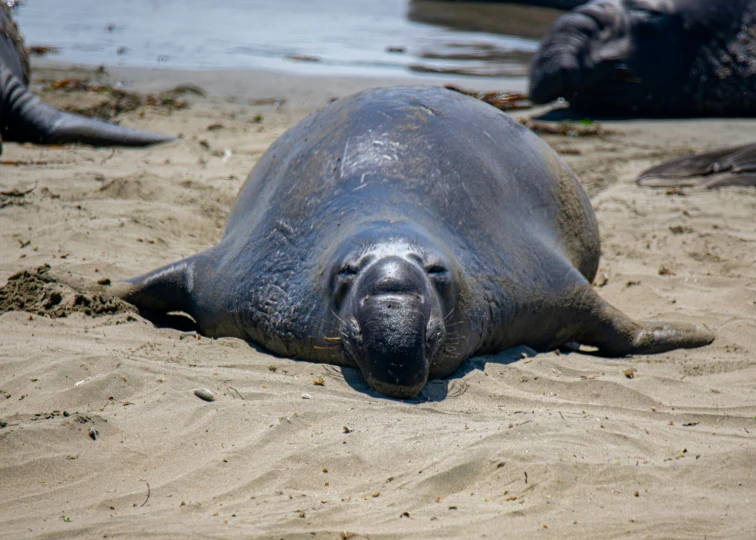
point(393, 311)
point(393, 329)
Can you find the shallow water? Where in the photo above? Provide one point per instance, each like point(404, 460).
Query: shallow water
point(345, 37)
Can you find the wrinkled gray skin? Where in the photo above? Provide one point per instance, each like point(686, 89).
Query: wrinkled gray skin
point(402, 230)
point(26, 118)
point(651, 58)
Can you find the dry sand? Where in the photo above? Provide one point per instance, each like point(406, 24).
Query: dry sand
point(547, 446)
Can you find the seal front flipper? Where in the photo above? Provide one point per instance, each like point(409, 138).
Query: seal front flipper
point(192, 286)
point(732, 166)
point(166, 289)
point(615, 334)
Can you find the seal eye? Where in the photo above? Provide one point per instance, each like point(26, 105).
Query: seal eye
point(348, 270)
point(342, 282)
point(436, 270)
point(439, 276)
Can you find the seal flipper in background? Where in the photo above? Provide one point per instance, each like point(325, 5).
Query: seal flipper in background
point(732, 166)
point(26, 118)
point(615, 334)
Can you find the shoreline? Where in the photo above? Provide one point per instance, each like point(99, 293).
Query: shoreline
point(300, 90)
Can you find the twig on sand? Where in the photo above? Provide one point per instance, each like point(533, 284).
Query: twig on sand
point(148, 494)
point(232, 389)
point(18, 192)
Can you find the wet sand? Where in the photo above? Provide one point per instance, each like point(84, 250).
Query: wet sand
point(547, 446)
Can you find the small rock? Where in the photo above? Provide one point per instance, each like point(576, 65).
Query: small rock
point(205, 394)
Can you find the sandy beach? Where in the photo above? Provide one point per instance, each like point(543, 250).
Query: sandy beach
point(102, 436)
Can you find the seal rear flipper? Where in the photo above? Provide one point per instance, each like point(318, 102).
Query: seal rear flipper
point(615, 334)
point(24, 117)
point(739, 162)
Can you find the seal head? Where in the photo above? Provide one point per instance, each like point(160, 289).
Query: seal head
point(391, 301)
point(616, 57)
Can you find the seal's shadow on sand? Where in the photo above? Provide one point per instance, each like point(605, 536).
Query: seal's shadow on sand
point(435, 390)
point(440, 389)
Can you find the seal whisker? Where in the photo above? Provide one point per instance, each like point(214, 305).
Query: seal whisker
point(339, 318)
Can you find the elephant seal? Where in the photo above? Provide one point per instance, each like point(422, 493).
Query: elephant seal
point(731, 166)
point(400, 231)
point(26, 118)
point(651, 58)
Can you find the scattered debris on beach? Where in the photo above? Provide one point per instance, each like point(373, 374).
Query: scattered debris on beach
point(516, 101)
point(505, 101)
point(42, 50)
point(583, 128)
point(302, 58)
point(15, 197)
point(118, 100)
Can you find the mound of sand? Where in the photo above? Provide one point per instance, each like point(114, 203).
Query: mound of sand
point(37, 292)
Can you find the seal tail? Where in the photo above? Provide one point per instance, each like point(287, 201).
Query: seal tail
point(26, 118)
point(731, 166)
